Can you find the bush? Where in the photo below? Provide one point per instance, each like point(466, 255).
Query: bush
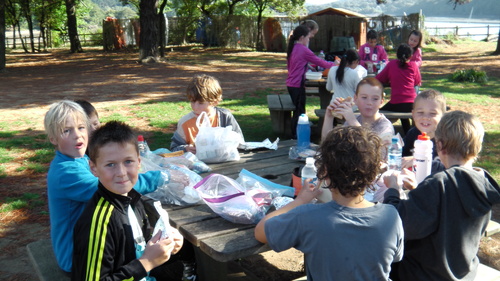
point(469, 75)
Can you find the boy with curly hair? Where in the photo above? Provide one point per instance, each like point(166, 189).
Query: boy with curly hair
point(348, 228)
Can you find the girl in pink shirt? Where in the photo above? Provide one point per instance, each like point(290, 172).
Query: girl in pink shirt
point(415, 41)
point(403, 75)
point(298, 56)
point(371, 52)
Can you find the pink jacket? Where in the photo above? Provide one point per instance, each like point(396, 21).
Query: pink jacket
point(402, 80)
point(297, 65)
point(417, 57)
point(367, 53)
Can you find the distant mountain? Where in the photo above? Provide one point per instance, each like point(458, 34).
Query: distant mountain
point(481, 9)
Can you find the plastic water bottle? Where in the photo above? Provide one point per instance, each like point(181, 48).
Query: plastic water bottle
point(322, 56)
point(422, 157)
point(382, 66)
point(394, 155)
point(309, 171)
point(303, 132)
point(141, 143)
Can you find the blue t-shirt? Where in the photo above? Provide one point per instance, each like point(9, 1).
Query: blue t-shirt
point(340, 243)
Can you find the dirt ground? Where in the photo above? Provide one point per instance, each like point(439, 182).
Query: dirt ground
point(34, 81)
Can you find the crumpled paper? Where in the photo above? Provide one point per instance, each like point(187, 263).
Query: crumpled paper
point(263, 144)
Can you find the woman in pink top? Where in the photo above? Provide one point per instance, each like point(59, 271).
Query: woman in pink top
point(403, 75)
point(298, 56)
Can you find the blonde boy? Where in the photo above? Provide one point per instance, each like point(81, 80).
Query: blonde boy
point(204, 93)
point(70, 183)
point(428, 108)
point(445, 216)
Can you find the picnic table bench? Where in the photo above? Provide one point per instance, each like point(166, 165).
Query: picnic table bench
point(281, 108)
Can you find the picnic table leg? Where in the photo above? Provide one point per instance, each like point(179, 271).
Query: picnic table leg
point(324, 96)
point(209, 269)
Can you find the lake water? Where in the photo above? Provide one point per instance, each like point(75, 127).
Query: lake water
point(475, 29)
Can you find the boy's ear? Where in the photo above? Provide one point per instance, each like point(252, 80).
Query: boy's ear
point(439, 147)
point(53, 141)
point(93, 168)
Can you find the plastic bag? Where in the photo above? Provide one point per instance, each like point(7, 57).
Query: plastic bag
point(216, 144)
point(162, 224)
point(250, 181)
point(178, 187)
point(229, 199)
point(379, 188)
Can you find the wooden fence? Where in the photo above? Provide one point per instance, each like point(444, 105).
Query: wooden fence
point(457, 31)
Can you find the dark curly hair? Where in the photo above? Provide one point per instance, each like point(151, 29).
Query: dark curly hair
point(349, 158)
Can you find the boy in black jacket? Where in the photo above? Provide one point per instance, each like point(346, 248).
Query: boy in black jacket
point(445, 216)
point(110, 235)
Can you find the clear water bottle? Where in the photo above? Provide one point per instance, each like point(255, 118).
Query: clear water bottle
point(322, 56)
point(303, 132)
point(382, 66)
point(395, 153)
point(422, 157)
point(309, 171)
point(143, 147)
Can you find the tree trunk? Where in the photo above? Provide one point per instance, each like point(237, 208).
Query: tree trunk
point(74, 40)
point(497, 51)
point(260, 42)
point(149, 30)
point(29, 20)
point(2, 36)
point(163, 31)
point(21, 38)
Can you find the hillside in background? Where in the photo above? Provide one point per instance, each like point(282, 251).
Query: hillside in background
point(481, 9)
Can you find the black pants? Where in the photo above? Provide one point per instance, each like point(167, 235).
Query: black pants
point(298, 96)
point(400, 107)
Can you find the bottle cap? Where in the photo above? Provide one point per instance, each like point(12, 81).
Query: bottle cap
point(303, 119)
point(140, 138)
point(423, 137)
point(310, 160)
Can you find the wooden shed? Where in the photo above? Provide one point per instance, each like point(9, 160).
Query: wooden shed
point(337, 22)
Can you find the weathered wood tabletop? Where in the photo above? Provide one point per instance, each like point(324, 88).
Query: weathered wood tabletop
point(217, 240)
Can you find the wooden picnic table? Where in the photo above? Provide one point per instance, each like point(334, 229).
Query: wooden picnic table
point(216, 240)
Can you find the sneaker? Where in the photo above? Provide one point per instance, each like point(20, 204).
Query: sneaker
point(189, 272)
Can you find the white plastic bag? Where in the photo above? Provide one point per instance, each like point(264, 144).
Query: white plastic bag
point(216, 144)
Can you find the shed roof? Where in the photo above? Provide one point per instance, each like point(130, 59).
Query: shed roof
point(338, 11)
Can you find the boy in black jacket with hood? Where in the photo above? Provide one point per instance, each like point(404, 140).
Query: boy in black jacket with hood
point(445, 217)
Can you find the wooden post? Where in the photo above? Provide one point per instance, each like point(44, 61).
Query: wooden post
point(487, 32)
point(456, 31)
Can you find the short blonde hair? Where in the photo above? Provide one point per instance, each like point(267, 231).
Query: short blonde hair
point(55, 119)
point(204, 88)
point(432, 94)
point(460, 133)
